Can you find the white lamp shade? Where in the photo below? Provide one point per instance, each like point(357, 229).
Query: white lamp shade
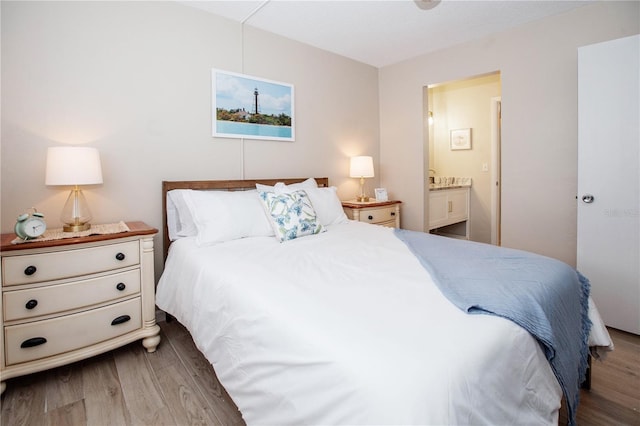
point(361, 167)
point(72, 165)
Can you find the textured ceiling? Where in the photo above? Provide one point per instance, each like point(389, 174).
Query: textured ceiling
point(384, 32)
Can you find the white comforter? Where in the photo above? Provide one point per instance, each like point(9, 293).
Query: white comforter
point(346, 327)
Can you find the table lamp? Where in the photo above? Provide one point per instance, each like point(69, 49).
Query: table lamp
point(362, 167)
point(75, 166)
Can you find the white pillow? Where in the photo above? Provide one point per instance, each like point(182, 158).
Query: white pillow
point(280, 187)
point(173, 221)
point(179, 220)
point(227, 215)
point(291, 214)
point(327, 205)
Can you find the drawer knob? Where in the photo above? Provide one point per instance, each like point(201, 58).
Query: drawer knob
point(30, 270)
point(31, 304)
point(370, 217)
point(120, 256)
point(121, 319)
point(121, 286)
point(34, 341)
point(393, 213)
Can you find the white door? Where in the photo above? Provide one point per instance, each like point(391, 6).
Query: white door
point(609, 178)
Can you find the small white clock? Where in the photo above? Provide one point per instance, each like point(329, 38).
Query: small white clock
point(30, 226)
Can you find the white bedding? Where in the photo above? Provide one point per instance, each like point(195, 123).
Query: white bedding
point(346, 327)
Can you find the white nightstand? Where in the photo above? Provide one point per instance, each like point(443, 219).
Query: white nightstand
point(385, 213)
point(69, 299)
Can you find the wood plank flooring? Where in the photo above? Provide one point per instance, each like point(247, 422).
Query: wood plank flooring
point(177, 386)
point(614, 398)
point(128, 386)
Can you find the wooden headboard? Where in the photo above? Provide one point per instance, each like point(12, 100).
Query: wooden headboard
point(219, 185)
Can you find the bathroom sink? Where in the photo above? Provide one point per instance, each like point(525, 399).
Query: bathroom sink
point(450, 183)
point(435, 186)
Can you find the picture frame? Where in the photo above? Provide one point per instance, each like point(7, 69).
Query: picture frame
point(460, 139)
point(381, 194)
point(250, 107)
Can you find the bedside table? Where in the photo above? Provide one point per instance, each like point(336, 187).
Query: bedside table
point(385, 213)
point(69, 299)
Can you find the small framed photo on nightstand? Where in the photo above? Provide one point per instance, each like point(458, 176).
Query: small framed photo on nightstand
point(381, 194)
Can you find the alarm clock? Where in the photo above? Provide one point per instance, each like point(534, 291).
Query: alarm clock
point(30, 226)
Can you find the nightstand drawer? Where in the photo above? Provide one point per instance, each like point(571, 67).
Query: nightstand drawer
point(54, 336)
point(378, 215)
point(70, 263)
point(35, 302)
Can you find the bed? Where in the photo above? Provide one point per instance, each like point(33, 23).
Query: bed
point(340, 322)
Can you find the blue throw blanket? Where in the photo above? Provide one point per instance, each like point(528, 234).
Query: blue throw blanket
point(544, 296)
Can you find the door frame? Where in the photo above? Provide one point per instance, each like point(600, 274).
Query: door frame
point(496, 169)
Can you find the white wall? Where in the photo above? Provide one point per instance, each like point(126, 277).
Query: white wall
point(538, 65)
point(133, 79)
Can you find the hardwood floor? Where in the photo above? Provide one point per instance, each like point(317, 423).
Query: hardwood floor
point(177, 386)
point(614, 398)
point(173, 386)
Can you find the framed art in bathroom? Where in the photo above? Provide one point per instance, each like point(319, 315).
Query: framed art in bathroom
point(250, 107)
point(460, 139)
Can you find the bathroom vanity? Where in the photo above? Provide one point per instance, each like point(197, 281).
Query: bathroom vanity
point(449, 207)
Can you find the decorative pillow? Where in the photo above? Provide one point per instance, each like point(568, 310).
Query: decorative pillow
point(327, 205)
point(291, 214)
point(227, 215)
point(179, 220)
point(280, 187)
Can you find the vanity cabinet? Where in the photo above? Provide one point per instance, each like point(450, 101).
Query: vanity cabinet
point(449, 207)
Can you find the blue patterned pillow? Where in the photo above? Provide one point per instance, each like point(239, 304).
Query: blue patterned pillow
point(291, 214)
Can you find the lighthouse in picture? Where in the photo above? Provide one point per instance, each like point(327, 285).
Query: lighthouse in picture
point(255, 102)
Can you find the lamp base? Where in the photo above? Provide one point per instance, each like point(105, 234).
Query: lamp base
point(76, 227)
point(362, 198)
point(75, 215)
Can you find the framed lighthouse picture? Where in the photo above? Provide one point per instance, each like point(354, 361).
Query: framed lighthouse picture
point(251, 108)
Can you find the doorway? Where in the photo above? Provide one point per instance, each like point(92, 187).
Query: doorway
point(475, 104)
